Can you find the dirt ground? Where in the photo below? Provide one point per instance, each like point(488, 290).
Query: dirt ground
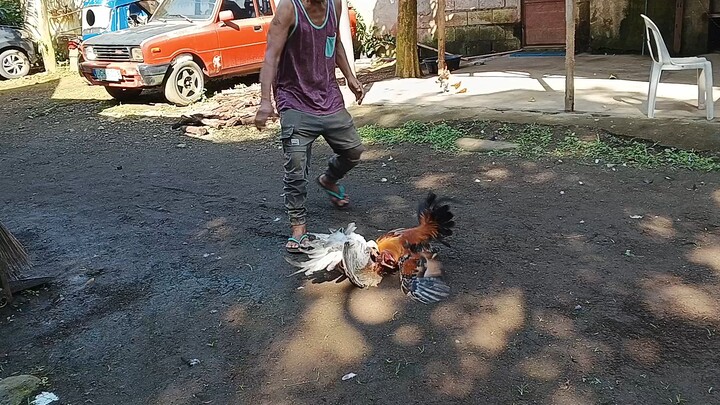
point(572, 284)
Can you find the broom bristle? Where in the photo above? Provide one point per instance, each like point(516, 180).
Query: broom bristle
point(13, 256)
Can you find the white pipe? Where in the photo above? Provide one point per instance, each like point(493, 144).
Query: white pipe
point(346, 35)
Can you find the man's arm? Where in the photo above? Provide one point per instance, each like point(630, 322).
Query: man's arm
point(277, 36)
point(341, 59)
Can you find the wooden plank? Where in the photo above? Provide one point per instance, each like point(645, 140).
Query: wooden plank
point(440, 23)
point(569, 55)
point(679, 11)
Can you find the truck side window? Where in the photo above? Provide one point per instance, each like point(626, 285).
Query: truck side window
point(265, 8)
point(241, 12)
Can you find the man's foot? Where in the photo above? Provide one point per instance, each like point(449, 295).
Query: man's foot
point(298, 239)
point(337, 193)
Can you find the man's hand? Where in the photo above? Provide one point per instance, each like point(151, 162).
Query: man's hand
point(357, 88)
point(265, 111)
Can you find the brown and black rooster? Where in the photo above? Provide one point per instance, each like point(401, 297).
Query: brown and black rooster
point(407, 251)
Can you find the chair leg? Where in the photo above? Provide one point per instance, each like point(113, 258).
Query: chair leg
point(708, 85)
point(701, 88)
point(652, 91)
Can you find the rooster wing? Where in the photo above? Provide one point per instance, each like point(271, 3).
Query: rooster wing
point(342, 250)
point(421, 277)
point(357, 264)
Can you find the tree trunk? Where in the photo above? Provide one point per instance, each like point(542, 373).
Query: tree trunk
point(408, 64)
point(47, 49)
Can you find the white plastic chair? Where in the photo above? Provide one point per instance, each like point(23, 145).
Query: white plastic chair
point(663, 61)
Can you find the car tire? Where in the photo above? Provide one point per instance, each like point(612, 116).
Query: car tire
point(185, 83)
point(122, 94)
point(14, 64)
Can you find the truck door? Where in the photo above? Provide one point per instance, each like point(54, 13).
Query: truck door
point(242, 41)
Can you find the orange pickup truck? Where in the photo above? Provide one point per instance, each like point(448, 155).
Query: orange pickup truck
point(183, 44)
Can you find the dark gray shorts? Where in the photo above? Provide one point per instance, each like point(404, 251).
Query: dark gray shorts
point(299, 129)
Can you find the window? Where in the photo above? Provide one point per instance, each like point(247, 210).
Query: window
point(241, 9)
point(184, 10)
point(265, 8)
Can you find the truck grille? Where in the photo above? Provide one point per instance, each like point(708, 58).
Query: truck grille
point(114, 53)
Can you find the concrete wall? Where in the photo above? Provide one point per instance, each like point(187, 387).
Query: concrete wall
point(616, 25)
point(475, 26)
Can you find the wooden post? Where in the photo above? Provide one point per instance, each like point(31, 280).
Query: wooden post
point(677, 37)
point(569, 55)
point(440, 24)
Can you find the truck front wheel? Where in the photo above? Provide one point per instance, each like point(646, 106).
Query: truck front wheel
point(185, 83)
point(121, 94)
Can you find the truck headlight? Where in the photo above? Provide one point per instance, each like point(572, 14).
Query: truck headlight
point(90, 53)
point(136, 54)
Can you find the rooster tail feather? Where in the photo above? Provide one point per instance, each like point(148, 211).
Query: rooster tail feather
point(432, 211)
point(426, 290)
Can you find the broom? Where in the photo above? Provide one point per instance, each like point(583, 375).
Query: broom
point(13, 258)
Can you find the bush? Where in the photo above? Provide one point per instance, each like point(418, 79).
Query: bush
point(11, 13)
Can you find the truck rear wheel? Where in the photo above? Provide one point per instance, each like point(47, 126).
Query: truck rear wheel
point(121, 94)
point(185, 83)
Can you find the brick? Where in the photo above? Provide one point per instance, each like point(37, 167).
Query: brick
point(455, 47)
point(465, 5)
point(425, 21)
point(457, 19)
point(450, 33)
point(506, 45)
point(505, 16)
point(512, 4)
point(460, 34)
point(478, 48)
point(491, 32)
point(485, 4)
point(480, 17)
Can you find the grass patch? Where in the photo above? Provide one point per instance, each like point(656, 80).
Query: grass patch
point(543, 142)
point(440, 136)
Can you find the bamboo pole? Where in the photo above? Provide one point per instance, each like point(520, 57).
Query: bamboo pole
point(569, 55)
point(440, 24)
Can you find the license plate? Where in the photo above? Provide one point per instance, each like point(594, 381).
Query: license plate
point(107, 75)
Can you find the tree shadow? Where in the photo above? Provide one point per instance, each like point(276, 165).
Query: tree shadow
point(165, 254)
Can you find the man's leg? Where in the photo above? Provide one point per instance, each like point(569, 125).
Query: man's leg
point(297, 149)
point(341, 135)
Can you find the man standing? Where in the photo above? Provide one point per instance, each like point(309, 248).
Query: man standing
point(303, 49)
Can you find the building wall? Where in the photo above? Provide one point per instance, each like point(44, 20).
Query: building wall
point(603, 26)
point(616, 25)
point(475, 26)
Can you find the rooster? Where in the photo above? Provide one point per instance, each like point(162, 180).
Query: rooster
point(444, 78)
point(407, 251)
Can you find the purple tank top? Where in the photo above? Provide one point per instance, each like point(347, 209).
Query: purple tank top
point(305, 79)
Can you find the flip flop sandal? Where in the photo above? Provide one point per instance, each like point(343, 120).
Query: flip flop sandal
point(299, 242)
point(336, 197)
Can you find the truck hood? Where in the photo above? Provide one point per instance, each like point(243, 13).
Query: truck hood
point(134, 36)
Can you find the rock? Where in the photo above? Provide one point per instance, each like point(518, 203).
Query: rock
point(195, 131)
point(481, 145)
point(14, 390)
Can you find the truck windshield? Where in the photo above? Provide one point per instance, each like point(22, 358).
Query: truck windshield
point(185, 10)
